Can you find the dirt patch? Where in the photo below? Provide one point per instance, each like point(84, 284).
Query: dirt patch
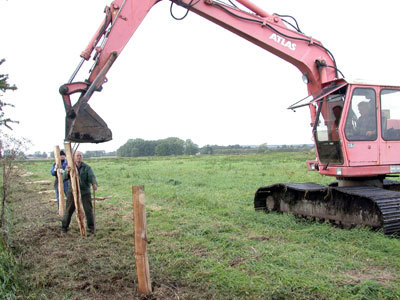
point(67, 266)
point(260, 238)
point(382, 275)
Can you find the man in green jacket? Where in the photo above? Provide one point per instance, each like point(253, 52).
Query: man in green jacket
point(86, 179)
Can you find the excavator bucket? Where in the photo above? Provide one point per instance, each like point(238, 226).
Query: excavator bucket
point(86, 127)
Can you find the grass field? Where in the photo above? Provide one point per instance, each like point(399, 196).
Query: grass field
point(205, 239)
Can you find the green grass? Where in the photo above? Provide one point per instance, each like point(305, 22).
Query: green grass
point(9, 282)
point(207, 242)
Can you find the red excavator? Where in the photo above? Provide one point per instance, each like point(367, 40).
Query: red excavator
point(355, 125)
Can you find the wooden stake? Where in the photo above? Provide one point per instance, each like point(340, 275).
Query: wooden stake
point(140, 228)
point(76, 193)
point(94, 212)
point(60, 182)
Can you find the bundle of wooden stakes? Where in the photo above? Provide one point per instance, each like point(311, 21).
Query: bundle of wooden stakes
point(76, 193)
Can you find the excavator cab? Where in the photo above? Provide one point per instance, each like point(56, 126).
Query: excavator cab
point(356, 130)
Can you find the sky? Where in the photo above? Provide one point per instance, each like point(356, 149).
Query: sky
point(188, 79)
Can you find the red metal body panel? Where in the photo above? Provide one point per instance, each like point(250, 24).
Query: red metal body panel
point(362, 153)
point(389, 152)
point(254, 8)
point(346, 172)
point(126, 16)
point(361, 171)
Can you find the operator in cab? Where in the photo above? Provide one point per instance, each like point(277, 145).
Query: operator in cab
point(337, 113)
point(366, 123)
point(362, 128)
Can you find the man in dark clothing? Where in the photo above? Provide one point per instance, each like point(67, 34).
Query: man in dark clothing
point(54, 173)
point(86, 179)
point(366, 123)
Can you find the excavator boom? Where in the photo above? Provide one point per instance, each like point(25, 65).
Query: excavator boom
point(122, 19)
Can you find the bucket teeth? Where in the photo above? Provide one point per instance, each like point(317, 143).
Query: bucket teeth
point(86, 127)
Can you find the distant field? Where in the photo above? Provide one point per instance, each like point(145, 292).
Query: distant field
point(205, 239)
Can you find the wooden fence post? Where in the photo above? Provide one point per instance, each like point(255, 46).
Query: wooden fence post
point(76, 193)
point(60, 182)
point(140, 229)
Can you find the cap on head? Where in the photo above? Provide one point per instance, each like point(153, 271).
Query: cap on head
point(62, 152)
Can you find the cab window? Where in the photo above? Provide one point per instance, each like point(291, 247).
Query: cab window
point(390, 114)
point(361, 122)
point(327, 128)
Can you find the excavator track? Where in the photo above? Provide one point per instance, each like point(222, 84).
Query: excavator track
point(378, 208)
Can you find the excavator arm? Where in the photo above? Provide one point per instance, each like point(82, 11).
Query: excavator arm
point(122, 19)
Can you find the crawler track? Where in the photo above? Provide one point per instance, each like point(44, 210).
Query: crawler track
point(346, 206)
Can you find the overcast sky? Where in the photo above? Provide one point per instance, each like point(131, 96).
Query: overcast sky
point(188, 79)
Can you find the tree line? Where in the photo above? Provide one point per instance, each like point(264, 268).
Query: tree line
point(175, 146)
point(87, 154)
point(164, 147)
point(263, 148)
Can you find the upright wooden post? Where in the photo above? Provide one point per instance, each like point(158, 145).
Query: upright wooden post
point(60, 182)
point(76, 193)
point(139, 217)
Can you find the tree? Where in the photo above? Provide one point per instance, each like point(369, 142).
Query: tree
point(176, 145)
point(137, 147)
point(263, 148)
point(94, 153)
point(163, 149)
point(140, 147)
point(190, 148)
point(12, 150)
point(5, 86)
point(207, 149)
point(39, 154)
point(170, 146)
